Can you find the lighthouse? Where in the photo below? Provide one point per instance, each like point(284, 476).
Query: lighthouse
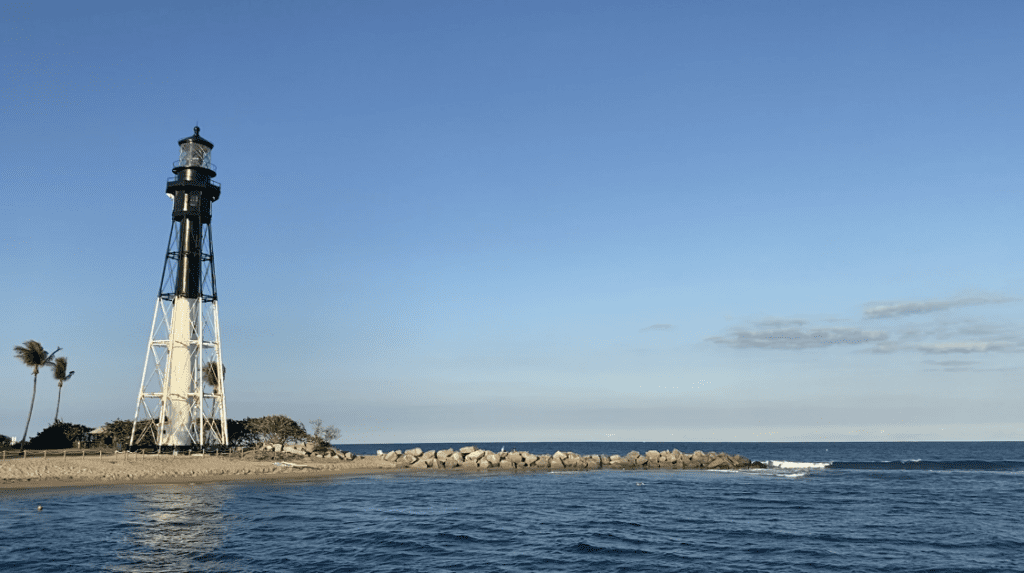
point(181, 397)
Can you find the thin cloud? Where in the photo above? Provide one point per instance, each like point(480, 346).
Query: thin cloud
point(657, 328)
point(893, 309)
point(963, 366)
point(969, 347)
point(799, 339)
point(780, 322)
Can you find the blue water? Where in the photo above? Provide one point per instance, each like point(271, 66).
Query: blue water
point(879, 507)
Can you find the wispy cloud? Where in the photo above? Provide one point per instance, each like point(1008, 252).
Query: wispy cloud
point(657, 328)
point(938, 335)
point(963, 366)
point(779, 322)
point(798, 338)
point(970, 347)
point(893, 309)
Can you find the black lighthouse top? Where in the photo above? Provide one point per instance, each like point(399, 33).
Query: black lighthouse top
point(193, 171)
point(195, 152)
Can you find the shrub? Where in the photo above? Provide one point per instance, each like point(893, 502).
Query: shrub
point(58, 435)
point(120, 432)
point(275, 430)
point(323, 435)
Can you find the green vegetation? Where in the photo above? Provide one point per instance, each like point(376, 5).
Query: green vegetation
point(120, 432)
point(323, 435)
point(276, 429)
point(58, 436)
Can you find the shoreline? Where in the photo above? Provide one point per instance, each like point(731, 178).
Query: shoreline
point(131, 469)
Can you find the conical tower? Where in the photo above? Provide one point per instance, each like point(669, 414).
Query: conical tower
point(181, 397)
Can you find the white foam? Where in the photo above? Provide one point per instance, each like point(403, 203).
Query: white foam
point(784, 465)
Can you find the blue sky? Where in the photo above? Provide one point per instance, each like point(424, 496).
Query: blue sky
point(485, 221)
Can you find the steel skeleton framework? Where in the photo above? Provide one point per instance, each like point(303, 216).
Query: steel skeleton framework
point(176, 407)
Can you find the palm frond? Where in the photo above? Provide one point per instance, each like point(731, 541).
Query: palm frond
point(32, 354)
point(211, 375)
point(60, 368)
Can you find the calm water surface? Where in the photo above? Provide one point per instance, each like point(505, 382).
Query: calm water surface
point(881, 507)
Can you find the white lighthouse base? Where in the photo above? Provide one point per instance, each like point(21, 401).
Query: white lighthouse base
point(183, 384)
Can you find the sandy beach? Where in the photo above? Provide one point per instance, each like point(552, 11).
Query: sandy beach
point(135, 469)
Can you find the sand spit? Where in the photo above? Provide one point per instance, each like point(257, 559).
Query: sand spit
point(139, 469)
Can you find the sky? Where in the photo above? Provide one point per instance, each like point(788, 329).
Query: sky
point(466, 221)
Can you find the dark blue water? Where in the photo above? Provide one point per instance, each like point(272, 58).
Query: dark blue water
point(879, 507)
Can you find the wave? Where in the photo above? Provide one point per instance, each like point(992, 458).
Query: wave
point(784, 465)
point(954, 465)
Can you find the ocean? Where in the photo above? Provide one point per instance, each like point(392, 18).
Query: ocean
point(862, 507)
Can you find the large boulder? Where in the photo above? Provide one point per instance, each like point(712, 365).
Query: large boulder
point(493, 458)
point(483, 464)
point(467, 450)
point(505, 464)
point(414, 452)
point(559, 456)
point(419, 465)
point(514, 457)
point(475, 455)
point(530, 459)
point(719, 462)
point(391, 456)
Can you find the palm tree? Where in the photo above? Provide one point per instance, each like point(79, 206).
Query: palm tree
point(61, 374)
point(34, 356)
point(212, 375)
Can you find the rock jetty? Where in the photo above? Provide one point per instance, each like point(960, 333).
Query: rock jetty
point(471, 457)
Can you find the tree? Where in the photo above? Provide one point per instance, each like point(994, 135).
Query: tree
point(239, 433)
point(213, 376)
point(60, 372)
point(34, 356)
point(323, 435)
point(120, 432)
point(59, 435)
point(276, 429)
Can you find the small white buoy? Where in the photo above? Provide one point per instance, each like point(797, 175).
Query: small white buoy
point(39, 508)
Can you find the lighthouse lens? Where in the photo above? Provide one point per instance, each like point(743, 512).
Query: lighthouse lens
point(194, 154)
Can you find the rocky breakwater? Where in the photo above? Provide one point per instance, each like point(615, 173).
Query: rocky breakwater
point(310, 450)
point(471, 457)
